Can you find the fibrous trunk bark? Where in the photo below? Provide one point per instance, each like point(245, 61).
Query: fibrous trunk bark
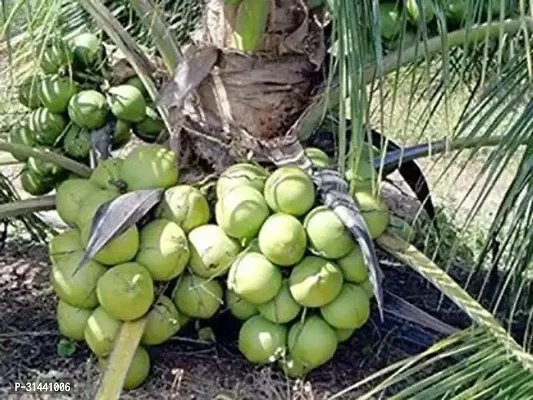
point(232, 105)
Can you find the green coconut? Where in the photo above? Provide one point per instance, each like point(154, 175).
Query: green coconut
point(317, 156)
point(239, 308)
point(69, 196)
point(137, 372)
point(21, 134)
point(126, 291)
point(163, 249)
point(77, 289)
point(44, 168)
point(349, 310)
point(100, 332)
point(293, 368)
point(162, 322)
point(368, 288)
point(344, 334)
point(88, 109)
point(197, 297)
point(106, 175)
point(86, 49)
point(241, 174)
point(54, 57)
point(327, 235)
point(312, 342)
point(62, 246)
point(375, 213)
point(138, 83)
point(77, 142)
point(262, 341)
point(456, 11)
point(127, 103)
point(282, 239)
point(121, 135)
point(56, 93)
point(185, 205)
point(29, 92)
point(416, 14)
point(365, 176)
point(241, 212)
point(290, 190)
point(353, 266)
point(71, 320)
point(212, 251)
point(282, 308)
point(47, 126)
point(254, 278)
point(150, 127)
point(390, 20)
point(315, 281)
point(119, 250)
point(35, 185)
point(150, 167)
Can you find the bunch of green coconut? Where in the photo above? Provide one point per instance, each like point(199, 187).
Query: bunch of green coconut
point(70, 98)
point(268, 254)
point(457, 12)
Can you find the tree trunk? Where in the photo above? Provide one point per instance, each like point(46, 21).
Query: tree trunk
point(233, 105)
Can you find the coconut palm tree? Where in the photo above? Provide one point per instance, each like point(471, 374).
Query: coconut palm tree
point(258, 78)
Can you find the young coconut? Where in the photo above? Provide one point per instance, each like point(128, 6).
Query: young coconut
point(162, 322)
point(327, 235)
point(76, 289)
point(45, 169)
point(88, 109)
point(241, 174)
point(418, 14)
point(262, 341)
point(100, 332)
point(353, 266)
point(62, 246)
point(315, 281)
point(375, 213)
point(127, 103)
point(254, 278)
point(344, 334)
point(56, 93)
point(121, 135)
point(293, 368)
point(163, 249)
point(150, 127)
point(390, 20)
point(368, 288)
point(197, 297)
point(28, 92)
point(35, 184)
point(185, 205)
point(71, 320)
point(54, 57)
point(239, 307)
point(126, 291)
point(212, 251)
point(47, 126)
point(317, 157)
point(312, 342)
point(282, 239)
point(69, 196)
point(282, 308)
point(86, 49)
point(349, 310)
point(119, 250)
point(21, 133)
point(150, 167)
point(138, 370)
point(138, 83)
point(106, 175)
point(77, 143)
point(290, 190)
point(241, 212)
